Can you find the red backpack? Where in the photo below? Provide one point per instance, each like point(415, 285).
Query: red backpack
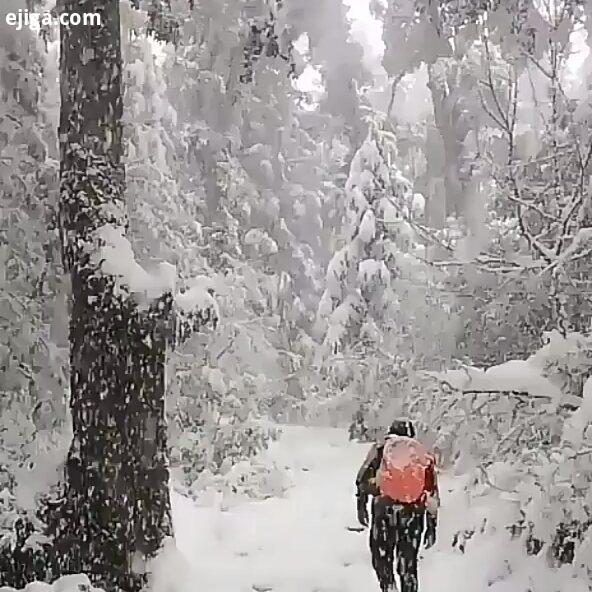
point(406, 473)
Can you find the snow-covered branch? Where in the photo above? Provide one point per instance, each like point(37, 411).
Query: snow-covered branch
point(519, 378)
point(113, 255)
point(194, 309)
point(580, 247)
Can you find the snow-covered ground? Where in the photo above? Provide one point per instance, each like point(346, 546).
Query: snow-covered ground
point(298, 543)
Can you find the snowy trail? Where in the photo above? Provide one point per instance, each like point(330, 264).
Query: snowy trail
point(299, 543)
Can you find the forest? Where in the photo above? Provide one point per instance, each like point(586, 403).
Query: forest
point(239, 237)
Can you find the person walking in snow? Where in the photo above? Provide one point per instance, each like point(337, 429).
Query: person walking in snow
point(400, 476)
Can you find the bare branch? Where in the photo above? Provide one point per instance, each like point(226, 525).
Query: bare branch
point(489, 112)
point(503, 116)
point(394, 86)
point(534, 207)
point(571, 253)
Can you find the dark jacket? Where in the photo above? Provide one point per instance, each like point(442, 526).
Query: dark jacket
point(365, 479)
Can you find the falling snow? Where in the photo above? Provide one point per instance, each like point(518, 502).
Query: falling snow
point(239, 239)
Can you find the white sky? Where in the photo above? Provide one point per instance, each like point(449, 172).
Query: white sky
point(367, 31)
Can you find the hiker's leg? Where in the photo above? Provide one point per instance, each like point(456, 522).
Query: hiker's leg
point(410, 526)
point(382, 544)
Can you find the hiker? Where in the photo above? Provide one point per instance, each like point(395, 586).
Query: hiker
point(400, 476)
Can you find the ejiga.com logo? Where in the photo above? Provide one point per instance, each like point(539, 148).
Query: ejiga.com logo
point(35, 20)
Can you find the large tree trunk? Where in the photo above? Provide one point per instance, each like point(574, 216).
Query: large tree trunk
point(116, 508)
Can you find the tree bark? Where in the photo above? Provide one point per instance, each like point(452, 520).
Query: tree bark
point(451, 147)
point(116, 508)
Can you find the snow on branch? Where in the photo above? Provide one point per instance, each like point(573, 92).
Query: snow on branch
point(516, 377)
point(342, 317)
point(580, 247)
point(338, 269)
point(367, 230)
point(371, 270)
point(114, 256)
point(68, 583)
point(195, 308)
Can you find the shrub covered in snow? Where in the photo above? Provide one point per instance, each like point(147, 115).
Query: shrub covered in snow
point(252, 479)
point(69, 583)
point(210, 445)
point(514, 429)
point(566, 360)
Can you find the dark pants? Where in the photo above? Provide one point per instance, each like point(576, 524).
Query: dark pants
point(396, 530)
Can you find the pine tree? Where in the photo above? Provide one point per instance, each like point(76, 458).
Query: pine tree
point(379, 295)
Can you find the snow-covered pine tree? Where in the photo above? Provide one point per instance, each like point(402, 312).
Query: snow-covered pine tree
point(373, 312)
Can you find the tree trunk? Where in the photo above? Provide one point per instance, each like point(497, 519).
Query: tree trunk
point(450, 146)
point(116, 507)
